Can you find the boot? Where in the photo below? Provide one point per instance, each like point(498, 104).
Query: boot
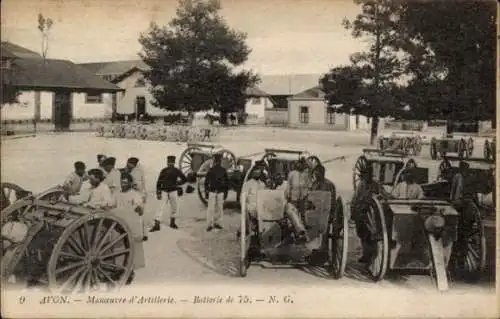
point(156, 226)
point(172, 223)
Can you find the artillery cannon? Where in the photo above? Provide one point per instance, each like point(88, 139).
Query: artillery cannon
point(196, 154)
point(409, 144)
point(386, 166)
point(270, 237)
point(451, 235)
point(451, 144)
point(68, 248)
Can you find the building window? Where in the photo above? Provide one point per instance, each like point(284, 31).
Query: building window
point(256, 100)
point(140, 83)
point(304, 115)
point(93, 98)
point(6, 64)
point(330, 116)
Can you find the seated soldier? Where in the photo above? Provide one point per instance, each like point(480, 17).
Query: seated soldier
point(408, 188)
point(251, 187)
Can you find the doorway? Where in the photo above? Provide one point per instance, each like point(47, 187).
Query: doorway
point(140, 107)
point(62, 110)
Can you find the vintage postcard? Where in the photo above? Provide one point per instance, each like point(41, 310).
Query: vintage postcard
point(248, 159)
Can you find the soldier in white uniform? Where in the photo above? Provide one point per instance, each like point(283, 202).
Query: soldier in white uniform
point(137, 173)
point(130, 206)
point(73, 183)
point(408, 189)
point(112, 178)
point(100, 196)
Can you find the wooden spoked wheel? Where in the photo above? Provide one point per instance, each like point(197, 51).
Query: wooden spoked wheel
point(93, 253)
point(470, 147)
point(52, 194)
point(11, 193)
point(186, 160)
point(468, 257)
point(433, 148)
point(228, 159)
point(359, 168)
point(200, 181)
point(486, 150)
point(17, 211)
point(338, 240)
point(378, 241)
point(244, 260)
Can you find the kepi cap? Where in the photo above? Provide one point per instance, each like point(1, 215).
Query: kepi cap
point(170, 159)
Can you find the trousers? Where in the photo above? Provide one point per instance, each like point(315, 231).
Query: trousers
point(173, 200)
point(215, 209)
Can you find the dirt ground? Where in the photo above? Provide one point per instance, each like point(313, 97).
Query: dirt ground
point(191, 255)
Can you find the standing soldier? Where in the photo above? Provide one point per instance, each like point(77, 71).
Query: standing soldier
point(131, 203)
point(73, 183)
point(112, 175)
point(100, 162)
point(169, 181)
point(217, 186)
point(137, 174)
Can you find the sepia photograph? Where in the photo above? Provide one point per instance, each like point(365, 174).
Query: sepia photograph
point(249, 158)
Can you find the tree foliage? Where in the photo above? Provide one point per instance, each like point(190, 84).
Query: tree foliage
point(372, 78)
point(192, 60)
point(453, 56)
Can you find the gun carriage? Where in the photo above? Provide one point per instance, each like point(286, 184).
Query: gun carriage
point(67, 248)
point(407, 143)
point(451, 144)
point(270, 238)
point(432, 234)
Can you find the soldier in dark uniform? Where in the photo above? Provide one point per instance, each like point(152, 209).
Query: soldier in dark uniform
point(216, 187)
point(169, 181)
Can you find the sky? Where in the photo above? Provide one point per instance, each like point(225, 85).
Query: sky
point(286, 36)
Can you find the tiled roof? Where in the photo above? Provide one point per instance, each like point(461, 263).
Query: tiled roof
point(9, 49)
point(312, 93)
point(255, 91)
point(37, 73)
point(114, 67)
point(288, 84)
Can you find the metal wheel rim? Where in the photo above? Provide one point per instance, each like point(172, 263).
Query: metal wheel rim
point(470, 251)
point(200, 181)
point(377, 266)
point(243, 258)
point(91, 272)
point(338, 238)
point(361, 164)
point(186, 159)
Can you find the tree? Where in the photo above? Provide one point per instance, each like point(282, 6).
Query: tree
point(44, 25)
point(457, 42)
point(192, 60)
point(9, 93)
point(374, 73)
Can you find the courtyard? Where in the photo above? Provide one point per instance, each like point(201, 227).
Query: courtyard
point(192, 256)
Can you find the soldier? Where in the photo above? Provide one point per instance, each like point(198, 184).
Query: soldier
point(100, 162)
point(100, 196)
point(298, 186)
point(408, 189)
point(73, 183)
point(137, 173)
point(216, 189)
point(112, 175)
point(169, 181)
point(131, 203)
